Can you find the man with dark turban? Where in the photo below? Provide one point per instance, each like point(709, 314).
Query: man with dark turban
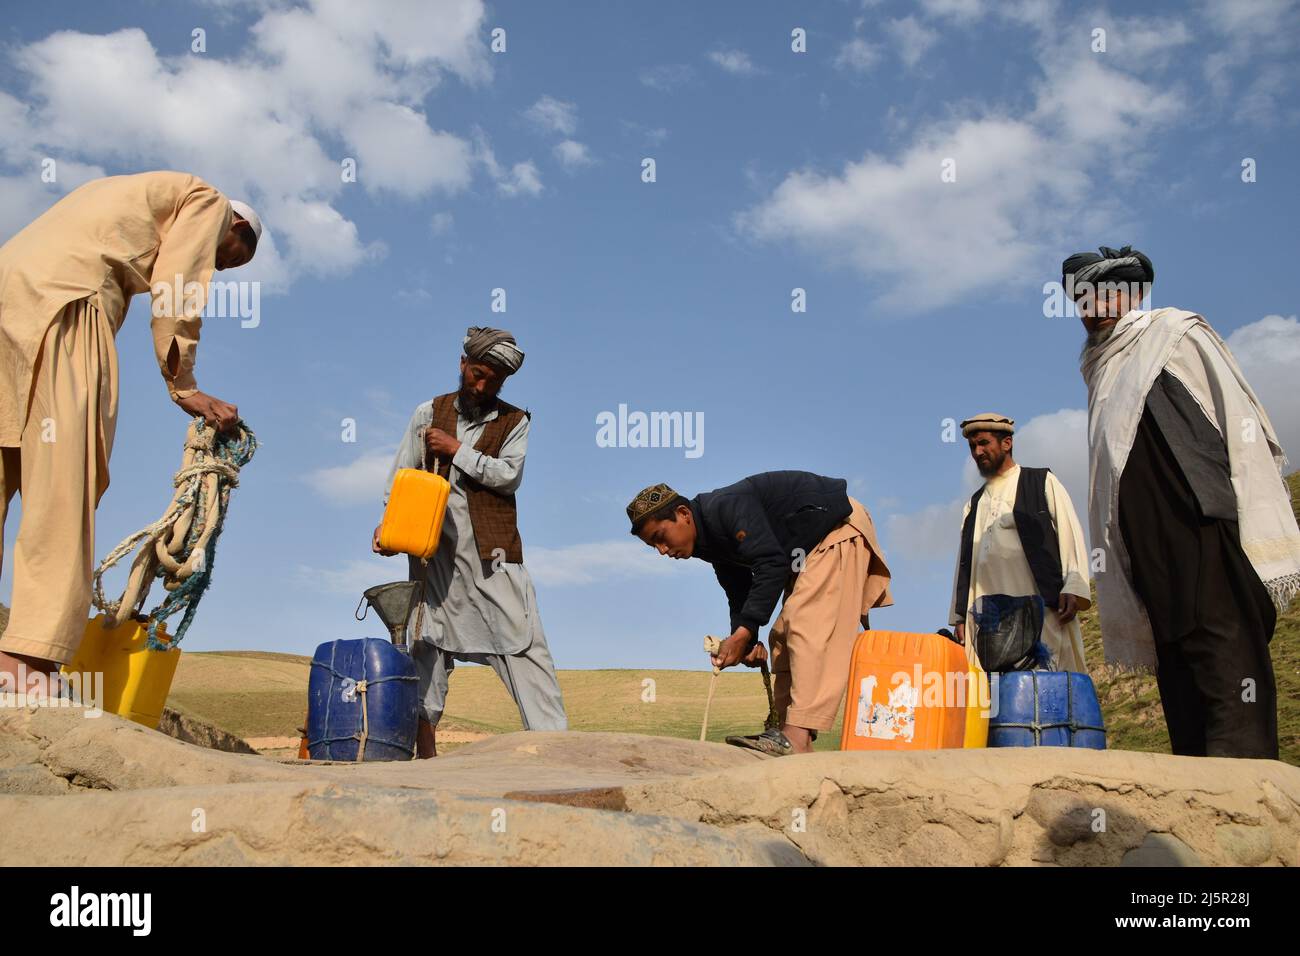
point(1199, 545)
point(479, 604)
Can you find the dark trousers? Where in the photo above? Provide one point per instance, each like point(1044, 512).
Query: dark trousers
point(1211, 617)
point(1216, 679)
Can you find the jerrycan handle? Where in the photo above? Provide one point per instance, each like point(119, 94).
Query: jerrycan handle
point(424, 458)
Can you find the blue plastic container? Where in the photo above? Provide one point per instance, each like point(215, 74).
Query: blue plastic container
point(340, 708)
point(1046, 709)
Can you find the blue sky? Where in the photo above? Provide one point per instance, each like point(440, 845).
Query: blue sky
point(775, 170)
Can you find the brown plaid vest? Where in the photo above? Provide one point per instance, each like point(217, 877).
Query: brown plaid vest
point(494, 516)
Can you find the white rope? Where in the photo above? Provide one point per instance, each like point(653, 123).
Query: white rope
point(203, 486)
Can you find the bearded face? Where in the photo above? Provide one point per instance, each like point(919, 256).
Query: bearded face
point(1095, 338)
point(480, 385)
point(989, 450)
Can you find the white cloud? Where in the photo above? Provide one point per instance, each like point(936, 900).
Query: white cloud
point(352, 577)
point(1268, 352)
point(667, 77)
point(442, 223)
point(734, 61)
point(930, 534)
point(1131, 105)
point(324, 240)
point(1268, 97)
point(309, 85)
point(573, 155)
point(397, 152)
point(930, 242)
point(22, 199)
point(1262, 20)
point(858, 55)
point(580, 564)
point(576, 565)
point(26, 194)
point(653, 135)
point(912, 38)
point(413, 298)
point(1142, 40)
point(554, 116)
point(1259, 36)
point(360, 481)
point(1058, 441)
point(521, 179)
point(959, 9)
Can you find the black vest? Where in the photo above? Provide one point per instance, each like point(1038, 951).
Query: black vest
point(1037, 537)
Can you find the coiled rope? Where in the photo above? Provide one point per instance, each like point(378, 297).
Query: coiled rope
point(181, 546)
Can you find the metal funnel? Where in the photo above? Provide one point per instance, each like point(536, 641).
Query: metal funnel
point(393, 603)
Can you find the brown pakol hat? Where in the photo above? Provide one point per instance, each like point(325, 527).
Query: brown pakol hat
point(987, 422)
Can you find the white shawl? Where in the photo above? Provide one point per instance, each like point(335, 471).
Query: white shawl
point(1119, 373)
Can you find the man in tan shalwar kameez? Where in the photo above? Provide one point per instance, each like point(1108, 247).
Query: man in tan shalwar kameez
point(65, 284)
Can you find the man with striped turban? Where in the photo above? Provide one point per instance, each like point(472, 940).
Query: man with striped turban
point(479, 605)
point(1200, 545)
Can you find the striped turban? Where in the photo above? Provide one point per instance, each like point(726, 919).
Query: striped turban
point(494, 346)
point(1113, 265)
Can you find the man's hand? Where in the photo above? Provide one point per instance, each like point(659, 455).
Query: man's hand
point(374, 545)
point(733, 650)
point(218, 414)
point(755, 657)
point(439, 443)
point(959, 632)
point(1067, 608)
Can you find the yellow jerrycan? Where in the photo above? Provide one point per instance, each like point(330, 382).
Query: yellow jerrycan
point(136, 680)
point(417, 503)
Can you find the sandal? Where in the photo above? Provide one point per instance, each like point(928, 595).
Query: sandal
point(771, 742)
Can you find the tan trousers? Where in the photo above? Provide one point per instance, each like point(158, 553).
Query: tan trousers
point(61, 471)
point(812, 638)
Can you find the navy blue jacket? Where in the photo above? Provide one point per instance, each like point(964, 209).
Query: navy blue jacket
point(753, 531)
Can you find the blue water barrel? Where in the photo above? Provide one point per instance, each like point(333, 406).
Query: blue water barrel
point(1046, 709)
point(340, 708)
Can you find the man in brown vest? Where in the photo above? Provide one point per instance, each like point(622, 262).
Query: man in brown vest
point(479, 604)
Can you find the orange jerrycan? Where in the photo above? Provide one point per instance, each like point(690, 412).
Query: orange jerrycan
point(417, 503)
point(135, 681)
point(913, 692)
